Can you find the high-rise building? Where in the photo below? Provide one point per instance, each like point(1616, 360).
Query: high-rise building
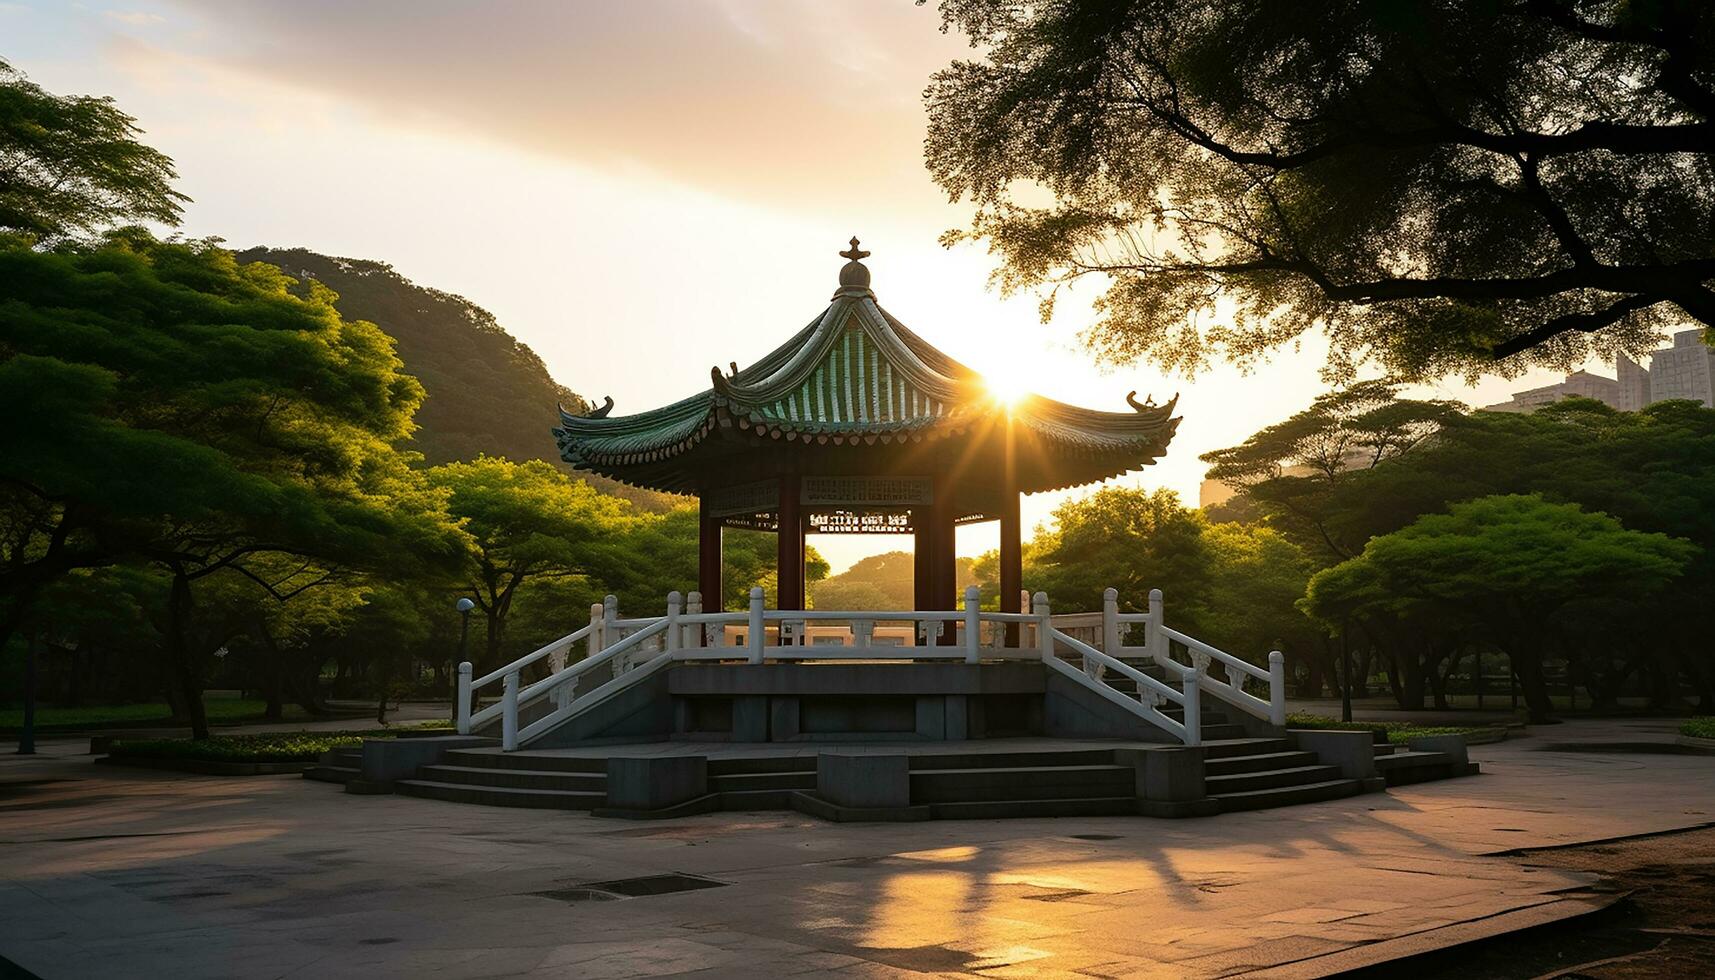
point(1685, 370)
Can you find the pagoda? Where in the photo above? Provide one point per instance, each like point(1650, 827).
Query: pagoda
point(856, 424)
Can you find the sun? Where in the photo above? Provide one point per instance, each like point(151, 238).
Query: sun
point(1005, 386)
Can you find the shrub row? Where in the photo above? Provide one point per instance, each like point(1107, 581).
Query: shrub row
point(262, 747)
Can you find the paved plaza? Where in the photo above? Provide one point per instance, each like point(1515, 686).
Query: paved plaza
point(121, 872)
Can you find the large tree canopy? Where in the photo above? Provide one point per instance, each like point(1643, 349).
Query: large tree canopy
point(71, 164)
point(1503, 565)
point(1437, 184)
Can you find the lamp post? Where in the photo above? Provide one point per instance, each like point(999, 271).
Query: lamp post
point(464, 606)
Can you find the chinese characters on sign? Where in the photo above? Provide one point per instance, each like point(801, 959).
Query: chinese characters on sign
point(864, 522)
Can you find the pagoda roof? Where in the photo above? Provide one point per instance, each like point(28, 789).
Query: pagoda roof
point(854, 376)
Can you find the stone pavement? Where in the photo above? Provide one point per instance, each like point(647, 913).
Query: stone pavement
point(119, 872)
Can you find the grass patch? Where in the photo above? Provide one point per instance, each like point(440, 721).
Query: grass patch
point(261, 747)
point(1396, 732)
point(1699, 727)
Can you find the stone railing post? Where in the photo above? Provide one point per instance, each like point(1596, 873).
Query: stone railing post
point(973, 622)
point(1111, 622)
point(670, 635)
point(693, 634)
point(462, 709)
point(1044, 625)
point(1156, 641)
point(595, 642)
point(1277, 689)
point(509, 713)
point(756, 628)
point(1193, 709)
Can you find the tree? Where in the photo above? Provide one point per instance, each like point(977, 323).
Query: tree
point(1290, 470)
point(1438, 185)
point(884, 581)
point(529, 520)
point(195, 414)
point(71, 164)
point(1505, 565)
point(1129, 539)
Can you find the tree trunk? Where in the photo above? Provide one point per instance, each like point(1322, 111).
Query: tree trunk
point(1528, 665)
point(182, 660)
point(273, 680)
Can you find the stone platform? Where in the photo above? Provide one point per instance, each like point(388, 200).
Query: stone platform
point(127, 872)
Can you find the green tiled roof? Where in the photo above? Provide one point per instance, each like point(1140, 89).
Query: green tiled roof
point(853, 375)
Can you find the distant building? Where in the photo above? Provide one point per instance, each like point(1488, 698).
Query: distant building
point(1580, 384)
point(1685, 370)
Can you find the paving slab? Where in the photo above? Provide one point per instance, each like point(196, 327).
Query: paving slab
point(138, 873)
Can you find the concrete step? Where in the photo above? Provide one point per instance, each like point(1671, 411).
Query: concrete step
point(764, 763)
point(1222, 732)
point(1094, 806)
point(1255, 763)
point(1403, 767)
point(1012, 760)
point(1241, 782)
point(1225, 748)
point(324, 773)
point(740, 782)
point(1020, 783)
point(496, 759)
point(546, 799)
point(1258, 799)
point(586, 782)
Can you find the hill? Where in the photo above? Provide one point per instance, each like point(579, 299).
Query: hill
point(488, 392)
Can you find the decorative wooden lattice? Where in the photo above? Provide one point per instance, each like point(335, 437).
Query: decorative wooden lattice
point(861, 491)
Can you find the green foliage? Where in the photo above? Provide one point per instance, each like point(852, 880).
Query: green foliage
point(1290, 470)
point(1703, 727)
point(530, 520)
point(1118, 537)
point(885, 581)
point(1505, 566)
point(1396, 732)
point(1435, 185)
point(487, 392)
point(72, 164)
point(198, 416)
point(264, 747)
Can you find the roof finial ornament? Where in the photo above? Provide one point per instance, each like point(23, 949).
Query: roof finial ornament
point(854, 275)
point(1144, 406)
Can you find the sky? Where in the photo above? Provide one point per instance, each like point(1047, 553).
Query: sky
point(637, 190)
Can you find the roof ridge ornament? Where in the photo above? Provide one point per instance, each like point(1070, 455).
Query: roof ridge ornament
point(854, 275)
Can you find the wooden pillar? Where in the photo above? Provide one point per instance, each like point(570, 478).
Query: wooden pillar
point(946, 576)
point(1011, 559)
point(709, 561)
point(789, 545)
point(923, 522)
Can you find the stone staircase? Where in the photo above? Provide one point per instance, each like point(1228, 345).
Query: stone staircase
point(337, 766)
point(1241, 773)
point(497, 778)
point(1247, 766)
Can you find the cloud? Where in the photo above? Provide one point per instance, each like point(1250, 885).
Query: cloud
point(784, 101)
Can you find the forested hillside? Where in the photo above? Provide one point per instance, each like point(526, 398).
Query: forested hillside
point(488, 393)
